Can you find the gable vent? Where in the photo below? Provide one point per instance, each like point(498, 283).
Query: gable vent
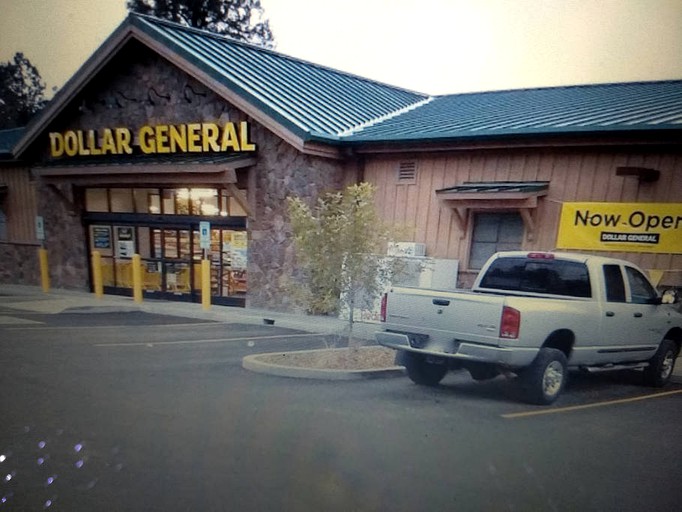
point(407, 172)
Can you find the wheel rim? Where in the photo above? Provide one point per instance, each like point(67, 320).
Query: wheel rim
point(667, 364)
point(552, 379)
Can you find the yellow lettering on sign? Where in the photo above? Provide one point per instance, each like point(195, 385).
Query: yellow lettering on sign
point(56, 144)
point(81, 145)
point(178, 138)
point(92, 143)
point(70, 143)
point(147, 143)
point(162, 139)
point(244, 137)
point(209, 133)
point(123, 139)
point(108, 145)
point(229, 139)
point(194, 137)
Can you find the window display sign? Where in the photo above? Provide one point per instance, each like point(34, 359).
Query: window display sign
point(101, 236)
point(239, 250)
point(625, 227)
point(125, 246)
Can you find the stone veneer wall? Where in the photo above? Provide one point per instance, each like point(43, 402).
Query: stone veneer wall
point(142, 89)
point(281, 171)
point(65, 239)
point(20, 263)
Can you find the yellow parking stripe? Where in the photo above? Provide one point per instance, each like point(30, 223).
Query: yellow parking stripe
point(588, 406)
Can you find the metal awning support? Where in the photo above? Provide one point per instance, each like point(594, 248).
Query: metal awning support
point(497, 195)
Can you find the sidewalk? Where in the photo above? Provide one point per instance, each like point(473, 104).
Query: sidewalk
point(59, 300)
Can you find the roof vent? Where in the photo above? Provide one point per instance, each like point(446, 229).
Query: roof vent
point(407, 172)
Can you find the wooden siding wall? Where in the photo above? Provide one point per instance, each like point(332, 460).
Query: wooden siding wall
point(20, 205)
point(573, 175)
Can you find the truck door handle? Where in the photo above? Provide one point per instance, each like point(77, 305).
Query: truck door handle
point(637, 315)
point(440, 302)
point(610, 313)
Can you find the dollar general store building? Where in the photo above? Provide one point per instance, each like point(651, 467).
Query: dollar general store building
point(166, 127)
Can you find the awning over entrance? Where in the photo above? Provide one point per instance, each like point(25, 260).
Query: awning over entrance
point(149, 170)
point(494, 195)
point(142, 170)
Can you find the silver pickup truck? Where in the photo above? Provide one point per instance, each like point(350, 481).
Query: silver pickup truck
point(535, 315)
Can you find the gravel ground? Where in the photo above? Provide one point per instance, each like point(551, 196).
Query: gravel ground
point(363, 358)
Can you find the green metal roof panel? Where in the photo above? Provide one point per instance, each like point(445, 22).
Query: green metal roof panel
point(471, 187)
point(311, 98)
point(588, 108)
point(9, 138)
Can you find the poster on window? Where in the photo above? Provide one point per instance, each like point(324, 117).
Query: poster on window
point(623, 227)
point(101, 237)
point(239, 250)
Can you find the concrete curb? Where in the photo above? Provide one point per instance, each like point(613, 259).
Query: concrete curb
point(254, 364)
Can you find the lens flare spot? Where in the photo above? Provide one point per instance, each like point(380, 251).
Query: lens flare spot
point(77, 448)
point(79, 464)
point(42, 444)
point(50, 479)
point(41, 461)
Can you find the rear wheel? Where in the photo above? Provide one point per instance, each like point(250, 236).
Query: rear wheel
point(423, 372)
point(661, 366)
point(546, 377)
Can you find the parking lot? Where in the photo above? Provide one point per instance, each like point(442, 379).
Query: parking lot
point(133, 410)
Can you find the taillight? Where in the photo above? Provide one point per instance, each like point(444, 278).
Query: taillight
point(541, 255)
point(384, 300)
point(510, 323)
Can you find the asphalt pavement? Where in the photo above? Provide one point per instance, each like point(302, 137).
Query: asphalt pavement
point(33, 299)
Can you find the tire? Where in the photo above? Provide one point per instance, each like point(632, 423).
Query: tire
point(483, 372)
point(661, 366)
point(421, 372)
point(544, 380)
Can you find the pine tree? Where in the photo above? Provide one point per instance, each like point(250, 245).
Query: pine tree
point(21, 92)
point(240, 19)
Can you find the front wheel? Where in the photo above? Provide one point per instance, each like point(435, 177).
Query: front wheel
point(422, 372)
point(661, 366)
point(546, 377)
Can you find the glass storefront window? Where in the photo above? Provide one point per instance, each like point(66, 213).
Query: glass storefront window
point(204, 201)
point(96, 200)
point(121, 200)
point(147, 200)
point(200, 202)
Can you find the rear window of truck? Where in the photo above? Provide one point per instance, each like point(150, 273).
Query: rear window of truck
point(556, 277)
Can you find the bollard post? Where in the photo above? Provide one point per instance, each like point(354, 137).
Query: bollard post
point(206, 283)
point(44, 270)
point(137, 278)
point(97, 282)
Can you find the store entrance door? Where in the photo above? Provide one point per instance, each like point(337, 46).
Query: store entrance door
point(171, 261)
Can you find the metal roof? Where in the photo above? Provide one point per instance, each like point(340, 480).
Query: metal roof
point(320, 104)
point(554, 110)
point(471, 187)
point(8, 138)
point(307, 97)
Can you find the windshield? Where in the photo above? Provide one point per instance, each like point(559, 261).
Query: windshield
point(556, 277)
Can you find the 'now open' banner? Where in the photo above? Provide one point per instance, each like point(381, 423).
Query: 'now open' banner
point(626, 227)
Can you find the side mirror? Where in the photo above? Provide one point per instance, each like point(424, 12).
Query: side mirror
point(670, 297)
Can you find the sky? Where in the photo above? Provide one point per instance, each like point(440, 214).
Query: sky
point(430, 46)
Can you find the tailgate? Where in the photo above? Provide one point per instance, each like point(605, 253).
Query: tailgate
point(465, 316)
